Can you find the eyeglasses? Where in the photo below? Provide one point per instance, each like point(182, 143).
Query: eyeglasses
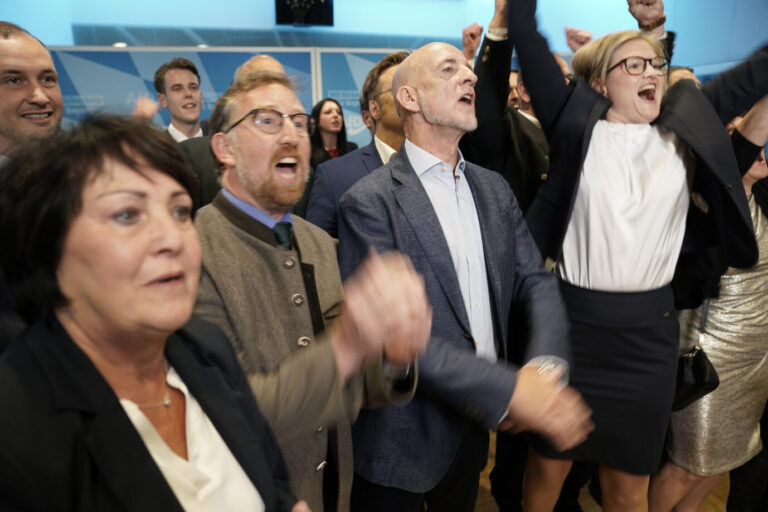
point(380, 93)
point(637, 65)
point(271, 121)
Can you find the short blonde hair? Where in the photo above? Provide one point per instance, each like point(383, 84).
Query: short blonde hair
point(592, 60)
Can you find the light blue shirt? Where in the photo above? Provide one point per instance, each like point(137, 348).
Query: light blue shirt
point(452, 200)
point(254, 212)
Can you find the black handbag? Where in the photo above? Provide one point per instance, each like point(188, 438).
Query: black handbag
point(695, 374)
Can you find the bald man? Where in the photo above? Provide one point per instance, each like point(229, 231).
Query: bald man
point(461, 226)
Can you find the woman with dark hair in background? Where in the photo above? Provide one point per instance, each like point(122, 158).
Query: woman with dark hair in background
point(330, 137)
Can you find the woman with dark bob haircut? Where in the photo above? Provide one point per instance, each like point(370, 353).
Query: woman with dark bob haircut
point(113, 399)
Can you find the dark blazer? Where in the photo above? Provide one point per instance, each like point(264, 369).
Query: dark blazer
point(66, 443)
point(203, 162)
point(505, 140)
point(332, 179)
point(718, 227)
point(411, 447)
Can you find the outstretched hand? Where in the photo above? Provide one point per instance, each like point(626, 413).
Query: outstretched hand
point(577, 37)
point(385, 310)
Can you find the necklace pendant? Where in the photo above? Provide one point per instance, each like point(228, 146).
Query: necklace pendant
point(167, 401)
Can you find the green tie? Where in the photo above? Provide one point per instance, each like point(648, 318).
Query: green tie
point(283, 234)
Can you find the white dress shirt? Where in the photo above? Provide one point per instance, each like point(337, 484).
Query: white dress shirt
point(385, 151)
point(452, 200)
point(211, 478)
point(628, 220)
point(178, 136)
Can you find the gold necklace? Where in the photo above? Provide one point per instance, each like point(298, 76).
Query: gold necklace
point(166, 398)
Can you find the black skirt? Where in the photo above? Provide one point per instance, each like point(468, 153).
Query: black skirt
point(625, 348)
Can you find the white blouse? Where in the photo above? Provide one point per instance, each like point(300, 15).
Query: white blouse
point(628, 220)
point(211, 479)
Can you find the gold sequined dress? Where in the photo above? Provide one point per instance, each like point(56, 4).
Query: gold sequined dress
point(721, 431)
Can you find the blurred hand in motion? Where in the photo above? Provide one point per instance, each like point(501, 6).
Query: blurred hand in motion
point(385, 309)
point(470, 40)
point(540, 405)
point(301, 506)
point(576, 38)
point(145, 108)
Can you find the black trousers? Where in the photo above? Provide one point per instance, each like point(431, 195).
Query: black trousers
point(456, 491)
point(749, 483)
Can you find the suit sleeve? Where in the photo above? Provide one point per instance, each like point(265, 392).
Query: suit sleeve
point(542, 74)
point(304, 391)
point(321, 210)
point(736, 90)
point(475, 387)
point(485, 146)
point(538, 292)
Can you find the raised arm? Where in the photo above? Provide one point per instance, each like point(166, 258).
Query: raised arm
point(485, 146)
point(734, 91)
point(542, 74)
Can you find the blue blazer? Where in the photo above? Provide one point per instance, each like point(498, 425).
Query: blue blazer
point(411, 447)
point(333, 178)
point(718, 227)
point(66, 443)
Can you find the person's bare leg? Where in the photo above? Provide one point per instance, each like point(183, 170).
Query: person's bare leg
point(695, 498)
point(622, 491)
point(543, 480)
point(669, 486)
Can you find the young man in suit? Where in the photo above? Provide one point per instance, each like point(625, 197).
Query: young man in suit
point(177, 83)
point(461, 226)
point(270, 280)
point(335, 176)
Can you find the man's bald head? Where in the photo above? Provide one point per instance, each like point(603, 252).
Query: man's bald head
point(258, 63)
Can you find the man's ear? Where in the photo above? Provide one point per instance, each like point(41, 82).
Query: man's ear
point(599, 86)
point(373, 108)
point(162, 100)
point(222, 148)
point(408, 98)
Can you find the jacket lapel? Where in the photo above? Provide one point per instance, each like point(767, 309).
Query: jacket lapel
point(371, 158)
point(220, 403)
point(111, 441)
point(417, 208)
point(487, 210)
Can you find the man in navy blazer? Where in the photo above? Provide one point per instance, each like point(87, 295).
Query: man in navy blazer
point(336, 176)
point(463, 230)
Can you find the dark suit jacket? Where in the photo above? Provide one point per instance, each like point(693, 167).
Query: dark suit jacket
point(332, 179)
point(203, 162)
point(505, 140)
point(411, 447)
point(67, 444)
point(718, 226)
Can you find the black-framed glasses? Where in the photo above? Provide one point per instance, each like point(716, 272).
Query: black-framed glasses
point(271, 121)
point(636, 65)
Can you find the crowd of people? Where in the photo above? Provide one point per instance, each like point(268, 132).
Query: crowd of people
point(249, 312)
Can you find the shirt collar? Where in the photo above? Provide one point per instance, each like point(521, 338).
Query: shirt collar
point(254, 212)
point(386, 152)
point(178, 136)
point(422, 161)
point(529, 117)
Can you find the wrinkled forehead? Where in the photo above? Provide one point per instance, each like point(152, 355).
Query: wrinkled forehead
point(274, 96)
